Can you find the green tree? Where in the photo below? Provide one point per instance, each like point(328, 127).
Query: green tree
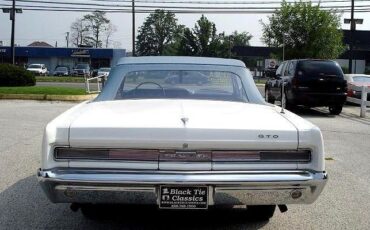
point(157, 33)
point(234, 39)
point(206, 33)
point(203, 40)
point(240, 39)
point(97, 23)
point(306, 30)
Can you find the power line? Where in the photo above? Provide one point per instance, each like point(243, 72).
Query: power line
point(69, 3)
point(90, 7)
point(197, 8)
point(174, 11)
point(155, 6)
point(225, 2)
point(177, 8)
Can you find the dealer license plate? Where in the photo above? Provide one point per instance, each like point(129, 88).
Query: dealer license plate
point(183, 197)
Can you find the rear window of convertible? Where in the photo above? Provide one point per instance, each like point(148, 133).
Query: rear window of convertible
point(182, 84)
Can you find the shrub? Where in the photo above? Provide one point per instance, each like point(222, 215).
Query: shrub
point(345, 70)
point(11, 75)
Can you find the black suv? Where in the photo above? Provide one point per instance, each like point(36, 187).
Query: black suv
point(310, 83)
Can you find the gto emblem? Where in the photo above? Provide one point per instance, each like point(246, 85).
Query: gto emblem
point(185, 146)
point(269, 136)
point(184, 120)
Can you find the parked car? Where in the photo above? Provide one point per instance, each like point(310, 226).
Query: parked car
point(61, 71)
point(310, 83)
point(357, 80)
point(103, 71)
point(38, 69)
point(82, 69)
point(186, 77)
point(179, 146)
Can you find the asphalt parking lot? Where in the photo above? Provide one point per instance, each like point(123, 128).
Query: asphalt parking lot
point(344, 203)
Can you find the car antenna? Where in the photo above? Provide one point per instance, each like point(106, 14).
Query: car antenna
point(282, 97)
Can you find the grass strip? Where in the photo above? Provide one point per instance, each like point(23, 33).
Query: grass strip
point(60, 79)
point(260, 81)
point(47, 90)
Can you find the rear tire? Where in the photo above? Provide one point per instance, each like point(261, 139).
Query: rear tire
point(268, 98)
point(90, 211)
point(261, 212)
point(287, 104)
point(335, 109)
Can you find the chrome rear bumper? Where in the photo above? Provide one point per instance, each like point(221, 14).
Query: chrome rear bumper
point(66, 185)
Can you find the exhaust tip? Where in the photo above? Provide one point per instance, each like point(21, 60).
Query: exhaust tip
point(69, 193)
point(295, 194)
point(74, 207)
point(283, 208)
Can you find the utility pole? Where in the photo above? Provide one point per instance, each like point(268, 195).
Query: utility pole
point(12, 17)
point(133, 28)
point(12, 11)
point(353, 25)
point(67, 39)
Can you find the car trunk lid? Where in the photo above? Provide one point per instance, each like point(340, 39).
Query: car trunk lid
point(169, 124)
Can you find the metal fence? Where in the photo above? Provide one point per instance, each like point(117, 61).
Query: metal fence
point(363, 102)
point(97, 81)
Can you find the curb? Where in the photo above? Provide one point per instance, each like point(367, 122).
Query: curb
point(46, 97)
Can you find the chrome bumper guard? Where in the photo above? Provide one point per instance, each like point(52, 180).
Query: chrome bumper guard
point(66, 185)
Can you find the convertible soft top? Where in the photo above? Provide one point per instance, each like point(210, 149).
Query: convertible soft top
point(179, 60)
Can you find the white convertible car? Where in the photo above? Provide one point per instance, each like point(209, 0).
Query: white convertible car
point(181, 144)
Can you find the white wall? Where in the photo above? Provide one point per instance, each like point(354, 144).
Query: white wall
point(52, 62)
point(358, 66)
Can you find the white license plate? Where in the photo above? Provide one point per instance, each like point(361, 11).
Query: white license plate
point(183, 197)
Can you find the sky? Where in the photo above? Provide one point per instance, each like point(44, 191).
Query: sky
point(51, 27)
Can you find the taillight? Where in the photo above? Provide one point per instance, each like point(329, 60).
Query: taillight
point(286, 156)
point(236, 156)
point(106, 154)
point(182, 156)
point(262, 156)
point(295, 82)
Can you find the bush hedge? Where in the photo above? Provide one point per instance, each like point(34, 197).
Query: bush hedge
point(345, 70)
point(11, 75)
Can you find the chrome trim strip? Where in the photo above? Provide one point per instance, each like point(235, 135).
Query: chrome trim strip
point(141, 187)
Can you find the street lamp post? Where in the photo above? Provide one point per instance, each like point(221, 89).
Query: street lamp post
point(12, 11)
point(133, 29)
point(353, 22)
point(284, 35)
